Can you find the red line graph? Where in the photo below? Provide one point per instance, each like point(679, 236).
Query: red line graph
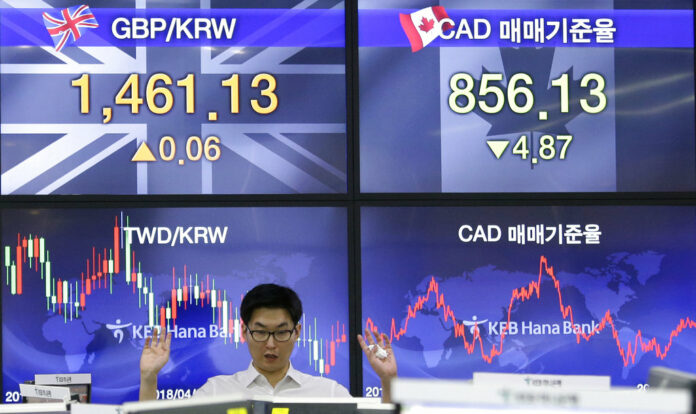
point(533, 289)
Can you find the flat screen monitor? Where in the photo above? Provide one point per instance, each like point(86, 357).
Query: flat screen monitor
point(478, 96)
point(450, 395)
point(155, 97)
point(422, 409)
point(82, 288)
point(228, 405)
point(663, 377)
point(215, 405)
point(571, 290)
point(39, 408)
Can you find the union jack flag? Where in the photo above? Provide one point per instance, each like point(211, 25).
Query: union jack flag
point(69, 24)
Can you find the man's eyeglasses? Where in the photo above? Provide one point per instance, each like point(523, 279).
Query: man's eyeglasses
point(280, 336)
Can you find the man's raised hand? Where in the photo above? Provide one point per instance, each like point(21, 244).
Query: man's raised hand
point(155, 353)
point(385, 366)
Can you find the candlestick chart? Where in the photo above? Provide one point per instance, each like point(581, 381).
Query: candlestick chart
point(613, 308)
point(94, 284)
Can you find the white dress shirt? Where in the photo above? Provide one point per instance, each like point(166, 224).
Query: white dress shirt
point(250, 382)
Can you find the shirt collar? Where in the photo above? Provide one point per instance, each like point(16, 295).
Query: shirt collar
point(248, 376)
point(251, 374)
point(294, 375)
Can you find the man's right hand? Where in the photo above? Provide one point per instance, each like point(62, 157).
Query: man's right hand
point(155, 355)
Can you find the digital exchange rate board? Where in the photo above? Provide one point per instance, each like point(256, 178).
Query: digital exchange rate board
point(82, 289)
point(204, 97)
point(526, 96)
point(593, 290)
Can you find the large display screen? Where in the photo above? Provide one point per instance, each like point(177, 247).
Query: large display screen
point(81, 290)
point(478, 96)
point(593, 290)
point(162, 97)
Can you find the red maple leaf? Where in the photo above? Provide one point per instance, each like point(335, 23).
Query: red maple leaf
point(426, 25)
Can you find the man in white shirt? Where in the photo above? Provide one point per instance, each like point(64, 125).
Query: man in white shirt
point(270, 322)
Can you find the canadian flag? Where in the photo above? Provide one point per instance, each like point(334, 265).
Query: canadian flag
point(423, 26)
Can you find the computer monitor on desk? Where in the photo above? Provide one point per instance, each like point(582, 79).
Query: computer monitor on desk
point(314, 405)
point(663, 377)
point(240, 405)
point(560, 382)
point(234, 404)
point(500, 410)
point(48, 408)
point(412, 394)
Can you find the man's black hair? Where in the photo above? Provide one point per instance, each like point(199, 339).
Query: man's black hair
point(271, 296)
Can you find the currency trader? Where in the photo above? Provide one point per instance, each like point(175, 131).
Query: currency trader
point(270, 324)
